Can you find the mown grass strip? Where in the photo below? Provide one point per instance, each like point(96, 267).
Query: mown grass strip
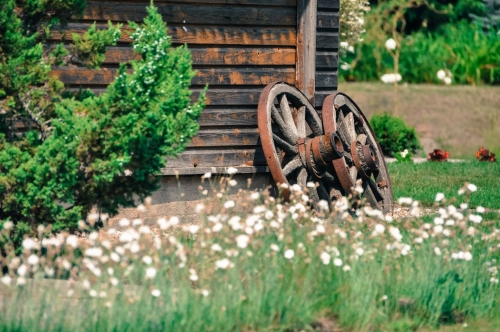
point(423, 181)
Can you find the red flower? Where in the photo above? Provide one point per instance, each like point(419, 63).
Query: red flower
point(438, 155)
point(485, 155)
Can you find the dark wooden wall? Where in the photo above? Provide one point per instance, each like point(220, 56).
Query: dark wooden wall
point(327, 44)
point(238, 47)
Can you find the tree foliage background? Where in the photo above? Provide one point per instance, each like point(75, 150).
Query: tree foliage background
point(81, 151)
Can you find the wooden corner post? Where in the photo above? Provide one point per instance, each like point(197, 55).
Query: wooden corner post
point(306, 47)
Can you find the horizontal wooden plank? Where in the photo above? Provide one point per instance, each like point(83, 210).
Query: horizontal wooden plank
point(209, 35)
point(328, 4)
point(328, 20)
point(320, 96)
point(327, 40)
point(213, 76)
point(229, 117)
point(247, 96)
point(219, 158)
point(213, 170)
point(326, 60)
point(289, 3)
point(226, 137)
point(326, 80)
point(193, 14)
point(218, 56)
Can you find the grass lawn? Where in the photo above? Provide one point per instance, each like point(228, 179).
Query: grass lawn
point(422, 181)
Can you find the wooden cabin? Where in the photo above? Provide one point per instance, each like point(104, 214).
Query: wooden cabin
point(238, 47)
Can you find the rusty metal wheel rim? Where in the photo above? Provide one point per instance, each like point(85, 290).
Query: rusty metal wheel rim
point(342, 115)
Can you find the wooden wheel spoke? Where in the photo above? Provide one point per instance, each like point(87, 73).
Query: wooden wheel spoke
point(374, 189)
point(292, 165)
point(361, 139)
point(329, 179)
point(301, 121)
point(353, 172)
point(288, 134)
point(346, 128)
point(288, 148)
point(302, 177)
point(323, 193)
point(287, 114)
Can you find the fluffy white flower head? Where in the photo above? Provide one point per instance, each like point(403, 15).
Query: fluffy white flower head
point(390, 44)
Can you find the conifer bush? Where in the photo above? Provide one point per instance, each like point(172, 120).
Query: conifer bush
point(83, 151)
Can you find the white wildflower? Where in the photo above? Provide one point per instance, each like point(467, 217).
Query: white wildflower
point(337, 262)
point(390, 78)
point(216, 247)
point(193, 229)
point(323, 205)
point(325, 258)
point(405, 201)
point(147, 260)
point(289, 254)
point(242, 240)
point(229, 204)
point(475, 218)
point(124, 222)
point(22, 270)
point(231, 170)
point(8, 225)
point(223, 264)
point(93, 252)
point(441, 74)
point(6, 280)
point(150, 272)
point(390, 44)
point(438, 221)
point(29, 244)
point(255, 196)
point(155, 292)
point(199, 207)
point(480, 209)
point(439, 197)
point(471, 187)
point(33, 260)
point(379, 229)
point(275, 247)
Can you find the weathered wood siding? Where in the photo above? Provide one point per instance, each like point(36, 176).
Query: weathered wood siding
point(327, 44)
point(238, 47)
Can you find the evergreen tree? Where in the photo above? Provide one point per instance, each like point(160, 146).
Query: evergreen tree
point(81, 150)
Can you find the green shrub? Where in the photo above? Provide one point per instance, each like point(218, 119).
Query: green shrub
point(89, 151)
point(393, 134)
point(470, 54)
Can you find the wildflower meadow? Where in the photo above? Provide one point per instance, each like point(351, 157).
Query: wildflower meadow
point(254, 262)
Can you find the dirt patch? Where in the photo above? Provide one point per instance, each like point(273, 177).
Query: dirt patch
point(459, 119)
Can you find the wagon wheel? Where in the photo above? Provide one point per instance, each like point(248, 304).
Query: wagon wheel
point(287, 123)
point(362, 162)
